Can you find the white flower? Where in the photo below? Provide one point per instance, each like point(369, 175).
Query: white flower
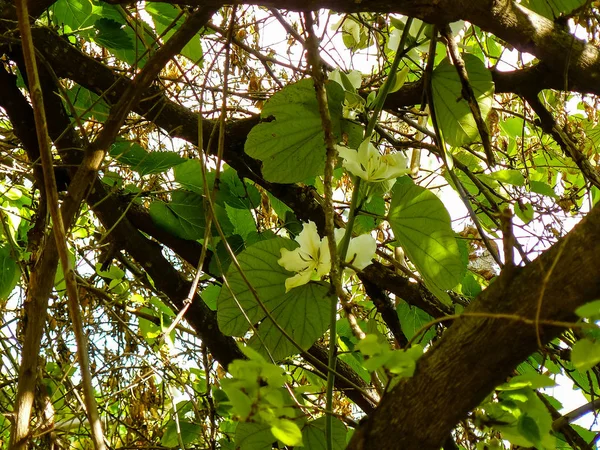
point(368, 164)
point(361, 249)
point(312, 259)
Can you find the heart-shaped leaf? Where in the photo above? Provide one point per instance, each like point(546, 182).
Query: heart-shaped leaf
point(422, 226)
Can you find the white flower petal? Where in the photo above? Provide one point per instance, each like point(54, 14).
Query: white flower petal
point(368, 164)
point(309, 238)
point(292, 260)
point(361, 251)
point(324, 262)
point(339, 235)
point(298, 280)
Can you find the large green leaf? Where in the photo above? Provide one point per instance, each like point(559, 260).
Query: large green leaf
point(111, 34)
point(184, 216)
point(9, 272)
point(185, 430)
point(142, 161)
point(303, 312)
point(453, 114)
point(135, 30)
point(254, 436)
point(553, 9)
point(291, 146)
point(74, 14)
point(313, 434)
point(422, 226)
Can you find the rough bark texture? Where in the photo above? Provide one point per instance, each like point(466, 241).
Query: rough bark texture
point(476, 354)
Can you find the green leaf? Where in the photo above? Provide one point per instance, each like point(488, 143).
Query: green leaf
point(241, 403)
point(9, 272)
point(184, 216)
point(110, 34)
point(254, 436)
point(539, 187)
point(589, 310)
point(73, 13)
point(313, 434)
point(412, 319)
point(221, 258)
point(531, 380)
point(190, 432)
point(454, 116)
point(509, 176)
point(287, 432)
point(87, 104)
point(242, 221)
point(585, 354)
point(529, 429)
point(291, 146)
point(142, 161)
point(524, 211)
point(422, 226)
point(303, 312)
point(163, 15)
point(142, 39)
point(552, 9)
point(210, 295)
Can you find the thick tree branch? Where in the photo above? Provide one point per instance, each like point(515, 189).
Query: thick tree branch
point(474, 355)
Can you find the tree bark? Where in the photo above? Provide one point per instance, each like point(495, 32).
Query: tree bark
point(476, 354)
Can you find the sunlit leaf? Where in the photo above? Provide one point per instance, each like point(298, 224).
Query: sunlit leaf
point(453, 113)
point(585, 354)
point(254, 436)
point(290, 142)
point(143, 161)
point(303, 312)
point(9, 272)
point(553, 9)
point(421, 224)
point(73, 13)
point(188, 432)
point(287, 432)
point(313, 434)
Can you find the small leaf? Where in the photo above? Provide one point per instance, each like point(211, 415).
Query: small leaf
point(589, 310)
point(531, 380)
point(529, 429)
point(509, 176)
point(287, 432)
point(412, 319)
point(9, 272)
point(585, 354)
point(524, 211)
point(184, 216)
point(142, 161)
point(253, 436)
point(189, 432)
point(539, 187)
point(553, 9)
point(73, 13)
